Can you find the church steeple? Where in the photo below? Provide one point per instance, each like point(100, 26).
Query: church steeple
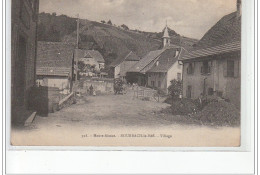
point(166, 37)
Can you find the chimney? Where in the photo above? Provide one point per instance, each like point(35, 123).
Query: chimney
point(239, 8)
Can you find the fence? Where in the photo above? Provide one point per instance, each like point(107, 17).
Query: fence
point(146, 94)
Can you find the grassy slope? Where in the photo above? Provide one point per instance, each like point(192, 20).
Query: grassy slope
point(112, 42)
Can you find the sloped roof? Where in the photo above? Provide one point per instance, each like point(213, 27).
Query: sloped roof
point(223, 37)
point(131, 56)
point(57, 71)
point(224, 48)
point(166, 60)
point(80, 53)
point(226, 30)
point(96, 54)
point(54, 54)
point(146, 60)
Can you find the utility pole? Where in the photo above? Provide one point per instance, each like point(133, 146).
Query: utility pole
point(77, 31)
point(76, 50)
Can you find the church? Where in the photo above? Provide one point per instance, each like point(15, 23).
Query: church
point(159, 67)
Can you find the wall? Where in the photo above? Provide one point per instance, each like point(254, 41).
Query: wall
point(156, 77)
point(125, 66)
point(60, 82)
point(23, 25)
point(101, 87)
point(173, 71)
point(229, 86)
point(117, 71)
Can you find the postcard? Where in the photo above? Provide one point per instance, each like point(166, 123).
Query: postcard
point(126, 73)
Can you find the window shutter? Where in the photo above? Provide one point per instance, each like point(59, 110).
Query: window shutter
point(236, 68)
point(225, 68)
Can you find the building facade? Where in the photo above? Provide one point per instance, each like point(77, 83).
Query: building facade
point(121, 66)
point(24, 14)
point(213, 68)
point(217, 74)
point(165, 69)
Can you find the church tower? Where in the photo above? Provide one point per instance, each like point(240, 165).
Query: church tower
point(166, 38)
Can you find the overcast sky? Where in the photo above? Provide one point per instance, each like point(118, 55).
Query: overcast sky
point(191, 18)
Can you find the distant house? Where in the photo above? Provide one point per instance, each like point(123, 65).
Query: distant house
point(121, 66)
point(55, 64)
point(165, 69)
point(157, 68)
point(92, 57)
point(213, 68)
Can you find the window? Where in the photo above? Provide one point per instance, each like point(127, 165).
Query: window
point(179, 76)
point(210, 91)
point(159, 84)
point(205, 69)
point(230, 68)
point(152, 82)
point(190, 69)
point(189, 91)
point(177, 53)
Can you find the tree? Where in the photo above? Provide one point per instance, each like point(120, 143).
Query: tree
point(102, 21)
point(175, 89)
point(109, 22)
point(125, 27)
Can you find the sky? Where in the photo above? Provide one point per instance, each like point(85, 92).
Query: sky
point(191, 18)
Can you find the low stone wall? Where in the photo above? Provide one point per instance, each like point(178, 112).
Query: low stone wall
point(101, 87)
point(67, 101)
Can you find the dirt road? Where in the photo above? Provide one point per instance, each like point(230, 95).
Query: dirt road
point(112, 120)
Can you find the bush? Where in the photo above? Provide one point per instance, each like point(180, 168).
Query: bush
point(175, 88)
point(220, 113)
point(183, 106)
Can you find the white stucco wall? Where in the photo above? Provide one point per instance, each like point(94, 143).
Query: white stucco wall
point(173, 71)
point(117, 71)
point(60, 82)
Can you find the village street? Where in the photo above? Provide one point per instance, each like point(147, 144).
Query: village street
point(112, 117)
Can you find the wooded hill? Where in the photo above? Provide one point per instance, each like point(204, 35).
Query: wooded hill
point(110, 40)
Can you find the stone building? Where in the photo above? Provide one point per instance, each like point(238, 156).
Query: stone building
point(24, 15)
point(55, 64)
point(213, 68)
point(157, 68)
point(121, 66)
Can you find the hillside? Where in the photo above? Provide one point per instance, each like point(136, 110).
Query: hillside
point(112, 41)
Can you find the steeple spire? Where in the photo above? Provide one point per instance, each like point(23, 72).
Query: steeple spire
point(166, 37)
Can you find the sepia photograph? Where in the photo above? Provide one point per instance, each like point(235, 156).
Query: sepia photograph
point(126, 73)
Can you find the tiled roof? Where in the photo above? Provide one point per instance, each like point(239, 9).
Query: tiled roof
point(131, 56)
point(224, 48)
point(79, 53)
point(57, 71)
point(226, 30)
point(166, 60)
point(54, 54)
point(148, 58)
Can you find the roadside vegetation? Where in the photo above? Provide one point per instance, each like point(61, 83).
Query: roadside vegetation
point(204, 111)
